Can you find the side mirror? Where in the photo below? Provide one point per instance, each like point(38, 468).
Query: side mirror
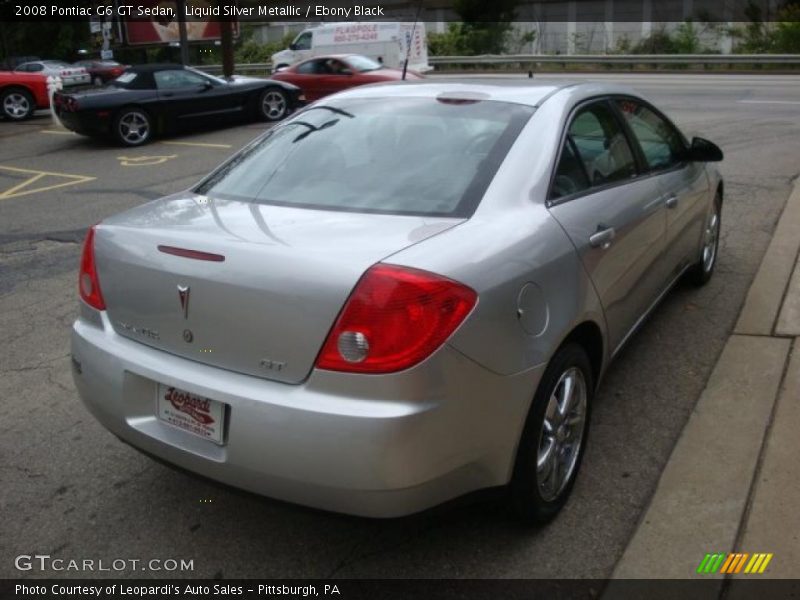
point(346, 72)
point(292, 46)
point(702, 150)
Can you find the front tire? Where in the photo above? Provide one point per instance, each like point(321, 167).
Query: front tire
point(700, 274)
point(554, 438)
point(17, 104)
point(133, 127)
point(273, 104)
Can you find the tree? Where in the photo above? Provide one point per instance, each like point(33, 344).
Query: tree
point(485, 28)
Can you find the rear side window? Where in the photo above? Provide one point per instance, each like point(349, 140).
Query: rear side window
point(661, 143)
point(311, 67)
point(570, 175)
point(172, 80)
point(601, 145)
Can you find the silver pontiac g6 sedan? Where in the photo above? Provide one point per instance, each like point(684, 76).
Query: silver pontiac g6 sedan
point(402, 294)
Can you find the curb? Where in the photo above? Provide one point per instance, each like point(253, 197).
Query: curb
point(713, 482)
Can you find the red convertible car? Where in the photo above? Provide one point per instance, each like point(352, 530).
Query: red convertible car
point(324, 75)
point(21, 94)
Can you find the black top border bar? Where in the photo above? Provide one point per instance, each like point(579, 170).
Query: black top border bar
point(658, 11)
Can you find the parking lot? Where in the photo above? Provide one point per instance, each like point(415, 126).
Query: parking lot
point(71, 489)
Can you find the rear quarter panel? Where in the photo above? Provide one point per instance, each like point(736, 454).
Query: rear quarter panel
point(512, 241)
point(35, 84)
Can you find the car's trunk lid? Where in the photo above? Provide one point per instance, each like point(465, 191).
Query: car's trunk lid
point(265, 309)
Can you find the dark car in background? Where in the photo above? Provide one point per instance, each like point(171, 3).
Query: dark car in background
point(151, 100)
point(102, 71)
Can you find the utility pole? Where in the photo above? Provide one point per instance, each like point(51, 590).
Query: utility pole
point(184, 38)
point(226, 40)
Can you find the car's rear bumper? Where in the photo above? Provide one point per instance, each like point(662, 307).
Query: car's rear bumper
point(379, 446)
point(84, 124)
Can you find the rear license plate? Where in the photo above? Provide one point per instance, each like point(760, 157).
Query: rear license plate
point(201, 416)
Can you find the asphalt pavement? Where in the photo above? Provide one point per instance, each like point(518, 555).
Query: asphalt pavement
point(72, 490)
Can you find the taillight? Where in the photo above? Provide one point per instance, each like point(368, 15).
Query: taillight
point(395, 318)
point(88, 283)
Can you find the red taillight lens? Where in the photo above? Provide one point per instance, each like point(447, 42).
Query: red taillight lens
point(88, 283)
point(395, 318)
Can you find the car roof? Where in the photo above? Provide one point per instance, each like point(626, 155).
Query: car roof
point(326, 56)
point(517, 91)
point(151, 68)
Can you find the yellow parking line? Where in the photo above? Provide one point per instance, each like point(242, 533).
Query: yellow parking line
point(198, 144)
point(56, 132)
point(10, 192)
point(37, 171)
point(15, 191)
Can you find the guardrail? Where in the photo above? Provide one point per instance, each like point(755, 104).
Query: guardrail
point(625, 59)
point(265, 69)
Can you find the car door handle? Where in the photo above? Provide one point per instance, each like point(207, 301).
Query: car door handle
point(602, 237)
point(167, 94)
point(671, 201)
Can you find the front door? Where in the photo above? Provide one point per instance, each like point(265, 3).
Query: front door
point(684, 184)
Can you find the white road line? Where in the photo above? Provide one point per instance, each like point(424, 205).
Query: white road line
point(769, 101)
point(197, 144)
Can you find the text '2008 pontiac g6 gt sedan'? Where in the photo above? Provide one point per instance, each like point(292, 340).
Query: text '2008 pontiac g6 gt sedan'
point(398, 296)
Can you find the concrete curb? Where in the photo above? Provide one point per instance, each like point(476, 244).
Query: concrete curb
point(763, 301)
point(717, 476)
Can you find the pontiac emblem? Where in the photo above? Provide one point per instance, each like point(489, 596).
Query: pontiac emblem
point(183, 294)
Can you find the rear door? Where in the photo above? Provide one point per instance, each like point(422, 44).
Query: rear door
point(684, 184)
point(614, 217)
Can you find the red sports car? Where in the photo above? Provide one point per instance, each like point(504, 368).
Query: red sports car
point(102, 71)
point(21, 94)
point(323, 75)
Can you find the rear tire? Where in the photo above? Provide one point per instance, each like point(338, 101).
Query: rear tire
point(554, 438)
point(700, 274)
point(273, 104)
point(17, 104)
point(132, 127)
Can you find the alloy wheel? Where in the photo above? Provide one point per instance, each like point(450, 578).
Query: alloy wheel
point(562, 434)
point(16, 105)
point(710, 240)
point(273, 105)
point(134, 127)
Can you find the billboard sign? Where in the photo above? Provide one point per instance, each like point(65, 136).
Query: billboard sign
point(164, 29)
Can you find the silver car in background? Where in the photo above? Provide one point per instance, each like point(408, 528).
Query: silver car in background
point(69, 74)
point(400, 295)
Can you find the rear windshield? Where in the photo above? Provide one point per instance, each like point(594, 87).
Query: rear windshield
point(415, 156)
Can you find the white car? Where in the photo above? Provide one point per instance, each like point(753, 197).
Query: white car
point(387, 43)
point(69, 74)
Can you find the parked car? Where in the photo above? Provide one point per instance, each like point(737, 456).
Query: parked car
point(69, 75)
point(387, 42)
point(399, 295)
point(102, 71)
point(324, 75)
point(152, 100)
point(21, 94)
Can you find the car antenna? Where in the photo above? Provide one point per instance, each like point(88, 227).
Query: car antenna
point(411, 40)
